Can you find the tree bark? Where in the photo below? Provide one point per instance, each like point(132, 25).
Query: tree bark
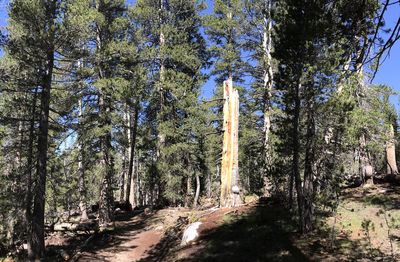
point(106, 201)
point(308, 187)
point(267, 84)
point(106, 210)
point(81, 170)
point(125, 159)
point(296, 154)
point(229, 164)
point(130, 180)
point(391, 152)
point(196, 196)
point(36, 246)
point(28, 196)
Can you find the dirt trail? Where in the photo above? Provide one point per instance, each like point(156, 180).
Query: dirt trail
point(133, 239)
point(132, 247)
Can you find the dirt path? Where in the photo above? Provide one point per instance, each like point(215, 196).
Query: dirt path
point(131, 247)
point(133, 239)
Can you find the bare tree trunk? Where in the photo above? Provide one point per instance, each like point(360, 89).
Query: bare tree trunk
point(229, 164)
point(196, 196)
point(161, 136)
point(296, 154)
point(81, 170)
point(268, 84)
point(130, 180)
point(123, 174)
point(391, 153)
point(134, 184)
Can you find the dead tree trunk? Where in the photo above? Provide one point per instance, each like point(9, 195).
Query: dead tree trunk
point(229, 164)
point(391, 152)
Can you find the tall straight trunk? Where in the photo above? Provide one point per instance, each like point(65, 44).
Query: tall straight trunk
point(268, 82)
point(36, 246)
point(81, 169)
point(391, 153)
point(308, 187)
point(125, 159)
point(160, 135)
point(106, 203)
point(106, 200)
point(296, 153)
point(188, 190)
point(28, 170)
point(130, 179)
point(134, 184)
point(196, 196)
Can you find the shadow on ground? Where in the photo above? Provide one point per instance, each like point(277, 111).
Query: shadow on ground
point(125, 228)
point(265, 233)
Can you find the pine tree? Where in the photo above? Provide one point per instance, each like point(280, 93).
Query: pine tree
point(177, 56)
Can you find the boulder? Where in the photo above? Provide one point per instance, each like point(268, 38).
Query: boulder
point(191, 233)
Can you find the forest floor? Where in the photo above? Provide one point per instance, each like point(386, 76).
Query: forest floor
point(365, 227)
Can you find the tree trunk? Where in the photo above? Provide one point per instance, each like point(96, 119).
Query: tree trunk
point(130, 180)
point(106, 210)
point(391, 153)
point(161, 136)
point(308, 187)
point(196, 196)
point(267, 84)
point(28, 196)
point(81, 170)
point(106, 200)
point(296, 154)
point(36, 246)
point(125, 159)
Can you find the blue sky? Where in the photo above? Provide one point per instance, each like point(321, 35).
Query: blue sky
point(389, 72)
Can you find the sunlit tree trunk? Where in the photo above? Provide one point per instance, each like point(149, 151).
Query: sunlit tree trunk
point(268, 85)
point(81, 169)
point(391, 152)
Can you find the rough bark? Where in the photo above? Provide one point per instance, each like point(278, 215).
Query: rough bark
point(106, 201)
point(81, 170)
point(29, 168)
point(161, 136)
point(391, 153)
point(130, 179)
point(308, 183)
point(296, 153)
point(106, 194)
point(196, 196)
point(267, 85)
point(229, 164)
point(36, 247)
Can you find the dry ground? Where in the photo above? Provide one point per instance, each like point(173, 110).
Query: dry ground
point(364, 228)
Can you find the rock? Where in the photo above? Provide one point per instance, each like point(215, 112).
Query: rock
point(191, 233)
point(147, 211)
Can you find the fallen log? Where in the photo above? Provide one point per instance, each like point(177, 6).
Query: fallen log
point(387, 178)
point(89, 225)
